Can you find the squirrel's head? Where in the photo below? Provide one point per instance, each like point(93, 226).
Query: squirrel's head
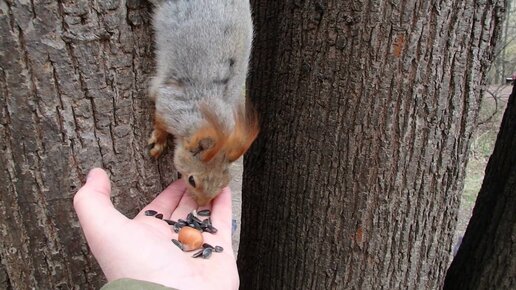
point(203, 159)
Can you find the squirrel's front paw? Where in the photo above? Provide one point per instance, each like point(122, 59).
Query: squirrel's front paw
point(156, 145)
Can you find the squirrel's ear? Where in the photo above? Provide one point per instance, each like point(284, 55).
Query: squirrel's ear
point(208, 140)
point(246, 130)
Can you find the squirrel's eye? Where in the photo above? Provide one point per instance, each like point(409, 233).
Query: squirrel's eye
point(191, 180)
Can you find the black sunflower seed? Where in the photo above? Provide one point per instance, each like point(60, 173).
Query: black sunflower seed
point(150, 212)
point(176, 228)
point(204, 212)
point(170, 222)
point(211, 229)
point(206, 253)
point(198, 254)
point(189, 218)
point(196, 225)
point(196, 219)
point(219, 249)
point(159, 216)
point(206, 245)
point(178, 244)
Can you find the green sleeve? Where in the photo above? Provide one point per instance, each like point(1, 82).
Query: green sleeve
point(130, 284)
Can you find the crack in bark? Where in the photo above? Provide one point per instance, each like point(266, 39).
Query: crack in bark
point(11, 16)
point(32, 9)
point(12, 270)
point(59, 108)
point(95, 121)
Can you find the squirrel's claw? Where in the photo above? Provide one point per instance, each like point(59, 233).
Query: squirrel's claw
point(156, 145)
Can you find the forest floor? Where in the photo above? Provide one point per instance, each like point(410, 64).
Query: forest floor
point(482, 145)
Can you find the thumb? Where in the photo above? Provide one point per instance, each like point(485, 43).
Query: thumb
point(93, 205)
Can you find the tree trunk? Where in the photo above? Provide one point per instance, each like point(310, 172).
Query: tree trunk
point(73, 96)
point(486, 258)
point(367, 111)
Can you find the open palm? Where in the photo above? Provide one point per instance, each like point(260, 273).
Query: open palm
point(141, 248)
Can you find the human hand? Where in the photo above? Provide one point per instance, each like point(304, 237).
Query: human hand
point(141, 248)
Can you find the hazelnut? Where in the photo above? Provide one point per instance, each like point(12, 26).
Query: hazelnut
point(190, 238)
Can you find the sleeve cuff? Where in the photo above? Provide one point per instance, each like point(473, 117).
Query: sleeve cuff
point(131, 284)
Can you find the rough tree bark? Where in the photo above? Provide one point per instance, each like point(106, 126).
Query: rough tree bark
point(73, 78)
point(487, 256)
point(367, 111)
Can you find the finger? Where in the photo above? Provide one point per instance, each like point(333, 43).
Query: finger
point(167, 201)
point(93, 205)
point(185, 206)
point(221, 213)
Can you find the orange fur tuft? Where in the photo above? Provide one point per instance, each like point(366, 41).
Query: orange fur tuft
point(216, 139)
point(245, 132)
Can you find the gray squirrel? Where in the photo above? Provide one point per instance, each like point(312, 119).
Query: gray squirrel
point(202, 55)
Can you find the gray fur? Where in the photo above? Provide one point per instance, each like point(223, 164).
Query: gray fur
point(204, 46)
point(202, 55)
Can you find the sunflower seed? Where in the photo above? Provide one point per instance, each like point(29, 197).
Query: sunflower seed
point(211, 229)
point(196, 219)
point(189, 218)
point(196, 225)
point(219, 249)
point(150, 212)
point(204, 212)
point(159, 216)
point(178, 244)
point(170, 222)
point(206, 253)
point(176, 228)
point(206, 245)
point(198, 254)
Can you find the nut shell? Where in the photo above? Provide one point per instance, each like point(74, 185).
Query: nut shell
point(190, 238)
